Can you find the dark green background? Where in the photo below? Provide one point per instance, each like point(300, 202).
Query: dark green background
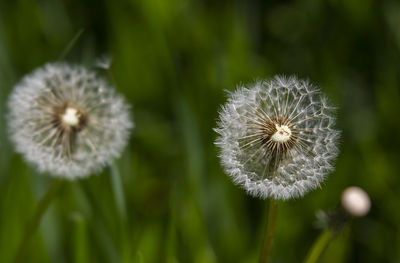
point(173, 60)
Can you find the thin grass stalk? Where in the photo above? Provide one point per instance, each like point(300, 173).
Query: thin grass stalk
point(319, 246)
point(33, 224)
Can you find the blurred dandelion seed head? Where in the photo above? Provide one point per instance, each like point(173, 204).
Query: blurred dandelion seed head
point(67, 120)
point(277, 138)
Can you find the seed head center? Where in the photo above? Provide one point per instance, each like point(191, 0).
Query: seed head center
point(282, 133)
point(71, 117)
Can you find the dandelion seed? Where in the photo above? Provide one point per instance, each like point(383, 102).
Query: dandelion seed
point(67, 120)
point(104, 62)
point(277, 138)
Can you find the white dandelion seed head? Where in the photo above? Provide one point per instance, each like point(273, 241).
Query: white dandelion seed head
point(68, 121)
point(277, 138)
point(356, 201)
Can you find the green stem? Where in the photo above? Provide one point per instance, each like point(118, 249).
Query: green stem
point(270, 232)
point(319, 246)
point(35, 220)
point(71, 44)
point(118, 190)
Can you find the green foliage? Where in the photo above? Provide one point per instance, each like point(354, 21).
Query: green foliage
point(167, 199)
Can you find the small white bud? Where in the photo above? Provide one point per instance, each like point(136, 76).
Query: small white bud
point(356, 201)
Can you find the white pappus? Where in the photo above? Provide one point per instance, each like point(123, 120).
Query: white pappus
point(67, 121)
point(277, 138)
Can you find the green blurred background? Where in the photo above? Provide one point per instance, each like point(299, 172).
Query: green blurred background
point(174, 61)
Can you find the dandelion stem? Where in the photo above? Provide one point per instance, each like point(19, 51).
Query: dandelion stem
point(270, 232)
point(319, 246)
point(35, 220)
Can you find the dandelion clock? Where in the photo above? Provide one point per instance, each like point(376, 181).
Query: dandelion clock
point(68, 121)
point(277, 138)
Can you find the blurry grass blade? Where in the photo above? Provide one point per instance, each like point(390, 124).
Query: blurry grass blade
point(319, 246)
point(106, 243)
point(139, 257)
point(118, 190)
point(127, 252)
point(171, 234)
point(35, 221)
point(81, 248)
point(71, 44)
point(16, 204)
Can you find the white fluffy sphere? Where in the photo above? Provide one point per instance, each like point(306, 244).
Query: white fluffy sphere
point(277, 138)
point(356, 201)
point(67, 121)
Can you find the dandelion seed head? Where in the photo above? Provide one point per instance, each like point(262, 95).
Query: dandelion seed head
point(277, 137)
point(67, 120)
